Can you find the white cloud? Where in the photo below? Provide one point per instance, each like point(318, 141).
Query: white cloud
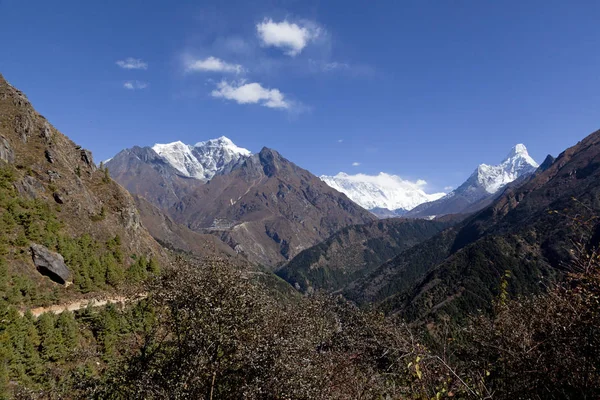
point(331, 66)
point(132, 63)
point(355, 164)
point(448, 188)
point(135, 85)
point(251, 93)
point(290, 37)
point(340, 140)
point(322, 66)
point(212, 64)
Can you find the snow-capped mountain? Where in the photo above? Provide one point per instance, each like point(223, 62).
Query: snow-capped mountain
point(517, 163)
point(202, 160)
point(383, 191)
point(482, 186)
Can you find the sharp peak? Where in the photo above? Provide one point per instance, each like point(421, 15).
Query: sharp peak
point(518, 149)
point(267, 150)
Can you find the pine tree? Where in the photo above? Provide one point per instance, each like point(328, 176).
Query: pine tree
point(114, 272)
point(67, 326)
point(51, 340)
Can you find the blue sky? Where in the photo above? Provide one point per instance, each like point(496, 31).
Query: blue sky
point(421, 89)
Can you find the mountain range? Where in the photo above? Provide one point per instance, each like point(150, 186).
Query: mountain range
point(72, 237)
point(262, 205)
point(388, 195)
point(64, 217)
point(529, 230)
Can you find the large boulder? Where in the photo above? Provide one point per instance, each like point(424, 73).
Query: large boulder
point(50, 264)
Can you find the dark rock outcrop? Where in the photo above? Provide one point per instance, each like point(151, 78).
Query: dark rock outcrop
point(50, 264)
point(49, 156)
point(58, 198)
point(86, 157)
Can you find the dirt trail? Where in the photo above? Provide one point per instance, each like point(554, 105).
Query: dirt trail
point(79, 304)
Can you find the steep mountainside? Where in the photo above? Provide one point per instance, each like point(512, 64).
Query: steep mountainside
point(268, 208)
point(354, 252)
point(56, 206)
point(143, 172)
point(178, 237)
point(482, 187)
point(385, 195)
point(528, 230)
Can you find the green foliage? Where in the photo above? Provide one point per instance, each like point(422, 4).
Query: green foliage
point(141, 269)
point(56, 353)
point(94, 265)
point(105, 174)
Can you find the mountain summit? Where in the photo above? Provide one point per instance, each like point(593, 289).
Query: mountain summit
point(202, 160)
point(482, 187)
point(516, 164)
point(163, 173)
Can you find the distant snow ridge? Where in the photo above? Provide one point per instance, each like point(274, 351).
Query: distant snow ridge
point(202, 160)
point(381, 191)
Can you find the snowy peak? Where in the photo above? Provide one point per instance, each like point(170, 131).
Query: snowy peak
point(225, 144)
point(518, 149)
point(202, 160)
point(516, 164)
point(381, 191)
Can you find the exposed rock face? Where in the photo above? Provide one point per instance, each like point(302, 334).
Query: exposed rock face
point(86, 157)
point(50, 264)
point(46, 132)
point(6, 152)
point(31, 187)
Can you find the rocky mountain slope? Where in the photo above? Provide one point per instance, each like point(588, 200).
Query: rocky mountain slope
point(178, 237)
point(528, 230)
point(267, 208)
point(385, 195)
point(354, 252)
point(482, 187)
point(59, 210)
